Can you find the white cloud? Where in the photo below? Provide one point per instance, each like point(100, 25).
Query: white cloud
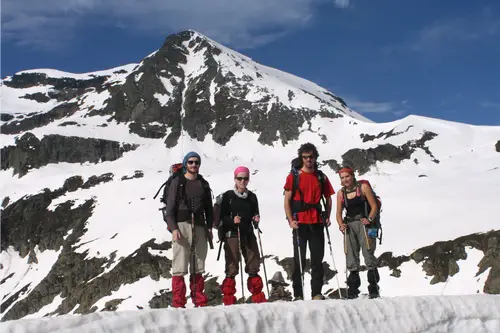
point(446, 34)
point(342, 3)
point(240, 23)
point(492, 105)
point(377, 107)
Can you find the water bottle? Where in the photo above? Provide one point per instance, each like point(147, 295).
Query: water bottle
point(372, 232)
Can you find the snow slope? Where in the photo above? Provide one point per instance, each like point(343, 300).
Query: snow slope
point(423, 314)
point(406, 227)
point(424, 201)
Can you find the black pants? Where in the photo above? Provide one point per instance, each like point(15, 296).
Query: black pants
point(315, 235)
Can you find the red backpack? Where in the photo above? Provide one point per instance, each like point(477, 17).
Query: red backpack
point(368, 208)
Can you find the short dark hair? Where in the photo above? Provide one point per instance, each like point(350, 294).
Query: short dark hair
point(308, 147)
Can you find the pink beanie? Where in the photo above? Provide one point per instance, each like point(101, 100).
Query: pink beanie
point(241, 169)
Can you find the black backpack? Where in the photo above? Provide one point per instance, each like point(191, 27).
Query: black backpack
point(176, 170)
point(299, 205)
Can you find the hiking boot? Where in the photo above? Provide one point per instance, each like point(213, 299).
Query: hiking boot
point(318, 297)
point(373, 279)
point(353, 283)
point(373, 291)
point(298, 298)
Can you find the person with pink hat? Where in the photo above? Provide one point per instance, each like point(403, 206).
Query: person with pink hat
point(236, 213)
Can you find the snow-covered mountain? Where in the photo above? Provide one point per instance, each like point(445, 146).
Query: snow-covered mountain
point(83, 155)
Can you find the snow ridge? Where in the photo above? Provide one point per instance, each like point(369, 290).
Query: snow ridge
point(430, 314)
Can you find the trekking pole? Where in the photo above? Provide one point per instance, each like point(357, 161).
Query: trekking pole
point(263, 259)
point(333, 260)
point(193, 252)
point(241, 264)
point(323, 217)
point(345, 252)
point(300, 260)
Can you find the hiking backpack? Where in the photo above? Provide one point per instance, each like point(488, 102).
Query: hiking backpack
point(300, 206)
point(176, 170)
point(376, 222)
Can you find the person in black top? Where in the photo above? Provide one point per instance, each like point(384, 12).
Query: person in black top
point(354, 197)
point(236, 213)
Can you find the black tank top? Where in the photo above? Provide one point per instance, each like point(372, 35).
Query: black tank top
point(355, 206)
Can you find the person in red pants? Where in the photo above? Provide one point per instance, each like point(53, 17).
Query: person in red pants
point(189, 193)
point(238, 210)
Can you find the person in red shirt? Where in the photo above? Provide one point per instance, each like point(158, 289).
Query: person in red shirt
point(305, 217)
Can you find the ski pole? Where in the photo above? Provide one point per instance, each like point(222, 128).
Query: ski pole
point(193, 252)
point(345, 252)
point(333, 260)
point(241, 264)
point(300, 259)
point(263, 258)
point(323, 216)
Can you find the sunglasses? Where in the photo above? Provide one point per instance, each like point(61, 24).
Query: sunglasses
point(308, 157)
point(191, 162)
point(243, 178)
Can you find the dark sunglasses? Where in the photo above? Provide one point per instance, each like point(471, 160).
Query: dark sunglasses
point(242, 178)
point(190, 162)
point(308, 157)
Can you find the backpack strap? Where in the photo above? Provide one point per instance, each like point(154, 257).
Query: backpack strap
point(344, 196)
point(295, 185)
point(301, 206)
point(321, 179)
point(227, 199)
point(181, 192)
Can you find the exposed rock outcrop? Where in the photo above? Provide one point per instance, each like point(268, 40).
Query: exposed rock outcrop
point(32, 153)
point(361, 160)
point(40, 119)
point(28, 223)
point(63, 88)
point(440, 260)
point(384, 135)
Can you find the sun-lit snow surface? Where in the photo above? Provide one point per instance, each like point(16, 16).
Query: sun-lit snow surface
point(424, 314)
point(417, 211)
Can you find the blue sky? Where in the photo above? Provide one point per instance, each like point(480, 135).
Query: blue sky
point(386, 58)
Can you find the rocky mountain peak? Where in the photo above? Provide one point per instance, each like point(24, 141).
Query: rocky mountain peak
point(191, 83)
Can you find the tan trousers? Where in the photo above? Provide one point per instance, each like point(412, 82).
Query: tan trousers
point(182, 258)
